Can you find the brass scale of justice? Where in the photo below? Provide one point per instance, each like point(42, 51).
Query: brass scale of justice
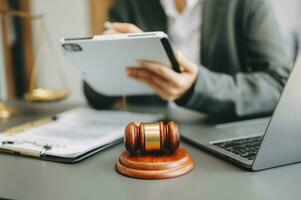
point(34, 94)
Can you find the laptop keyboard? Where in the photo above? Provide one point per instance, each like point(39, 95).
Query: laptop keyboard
point(246, 147)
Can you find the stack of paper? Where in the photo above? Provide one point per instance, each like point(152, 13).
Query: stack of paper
point(75, 132)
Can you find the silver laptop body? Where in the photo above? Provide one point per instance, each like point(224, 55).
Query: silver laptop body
point(281, 142)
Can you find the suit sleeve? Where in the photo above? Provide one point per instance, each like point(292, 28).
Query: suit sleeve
point(256, 91)
point(119, 12)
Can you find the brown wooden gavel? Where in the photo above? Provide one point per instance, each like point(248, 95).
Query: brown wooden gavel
point(152, 137)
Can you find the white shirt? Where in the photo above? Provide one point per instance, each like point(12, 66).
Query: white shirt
point(184, 29)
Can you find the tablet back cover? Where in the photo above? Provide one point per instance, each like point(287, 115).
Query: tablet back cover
point(103, 63)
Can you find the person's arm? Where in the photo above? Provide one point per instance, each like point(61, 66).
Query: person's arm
point(119, 12)
point(243, 94)
point(254, 92)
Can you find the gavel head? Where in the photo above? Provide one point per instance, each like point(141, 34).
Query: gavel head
point(152, 137)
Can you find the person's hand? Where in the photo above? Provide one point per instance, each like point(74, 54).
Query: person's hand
point(168, 84)
point(119, 28)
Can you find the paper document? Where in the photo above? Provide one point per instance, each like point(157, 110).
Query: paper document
point(75, 132)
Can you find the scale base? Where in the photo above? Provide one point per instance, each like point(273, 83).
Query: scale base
point(6, 112)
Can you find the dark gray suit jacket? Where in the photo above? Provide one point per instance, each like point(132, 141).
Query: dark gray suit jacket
point(244, 67)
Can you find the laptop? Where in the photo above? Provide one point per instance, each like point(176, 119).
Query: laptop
point(278, 145)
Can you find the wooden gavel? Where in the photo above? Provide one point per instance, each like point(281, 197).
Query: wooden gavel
point(152, 137)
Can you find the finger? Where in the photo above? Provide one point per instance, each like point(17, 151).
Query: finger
point(186, 64)
point(145, 77)
point(110, 32)
point(155, 87)
point(140, 74)
point(126, 28)
point(150, 77)
point(153, 79)
point(159, 91)
point(160, 70)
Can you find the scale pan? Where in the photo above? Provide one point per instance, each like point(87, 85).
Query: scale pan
point(45, 95)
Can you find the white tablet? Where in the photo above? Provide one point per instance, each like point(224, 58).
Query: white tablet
point(102, 60)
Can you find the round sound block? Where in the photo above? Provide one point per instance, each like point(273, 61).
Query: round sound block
point(155, 166)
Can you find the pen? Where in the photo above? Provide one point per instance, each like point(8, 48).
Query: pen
point(24, 151)
point(29, 125)
point(107, 25)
